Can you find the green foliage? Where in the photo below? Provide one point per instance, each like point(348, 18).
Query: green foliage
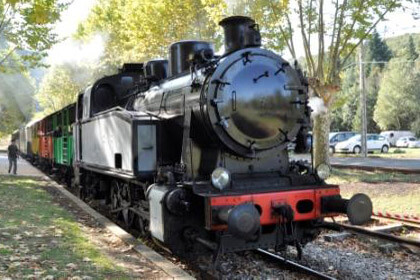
point(10, 118)
point(345, 107)
point(399, 44)
point(141, 30)
point(63, 83)
point(15, 101)
point(373, 80)
point(411, 53)
point(267, 13)
point(26, 32)
point(378, 51)
point(398, 105)
point(398, 151)
point(346, 110)
point(57, 90)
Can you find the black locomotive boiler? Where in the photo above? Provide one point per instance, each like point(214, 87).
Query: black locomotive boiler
point(193, 151)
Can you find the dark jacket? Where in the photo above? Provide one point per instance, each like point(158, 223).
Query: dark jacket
point(12, 151)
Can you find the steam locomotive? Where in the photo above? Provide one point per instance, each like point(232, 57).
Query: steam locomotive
point(193, 151)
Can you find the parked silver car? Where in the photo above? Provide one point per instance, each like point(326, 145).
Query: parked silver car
point(375, 142)
point(408, 142)
point(337, 137)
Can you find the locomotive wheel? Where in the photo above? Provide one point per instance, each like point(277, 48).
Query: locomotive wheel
point(121, 201)
point(143, 225)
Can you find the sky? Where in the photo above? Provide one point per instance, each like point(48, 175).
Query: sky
point(77, 12)
point(397, 23)
point(70, 50)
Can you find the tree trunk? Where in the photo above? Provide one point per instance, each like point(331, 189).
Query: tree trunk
point(320, 134)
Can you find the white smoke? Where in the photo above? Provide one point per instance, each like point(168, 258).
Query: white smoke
point(78, 52)
point(317, 105)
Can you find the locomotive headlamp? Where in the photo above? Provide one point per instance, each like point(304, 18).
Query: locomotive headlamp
point(323, 170)
point(220, 178)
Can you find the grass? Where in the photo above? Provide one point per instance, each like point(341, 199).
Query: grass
point(393, 192)
point(398, 153)
point(343, 176)
point(34, 227)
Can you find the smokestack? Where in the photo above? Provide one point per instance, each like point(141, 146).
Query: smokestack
point(240, 32)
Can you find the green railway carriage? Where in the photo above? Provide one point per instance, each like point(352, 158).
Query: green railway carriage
point(63, 137)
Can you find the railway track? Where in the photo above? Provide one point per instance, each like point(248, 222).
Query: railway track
point(289, 264)
point(373, 233)
point(294, 265)
point(408, 219)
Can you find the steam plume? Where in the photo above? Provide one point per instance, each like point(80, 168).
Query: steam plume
point(317, 105)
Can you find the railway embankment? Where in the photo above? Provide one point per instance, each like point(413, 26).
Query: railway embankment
point(46, 235)
point(43, 235)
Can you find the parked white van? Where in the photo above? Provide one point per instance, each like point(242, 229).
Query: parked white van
point(393, 135)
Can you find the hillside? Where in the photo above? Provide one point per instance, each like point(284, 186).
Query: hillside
point(395, 43)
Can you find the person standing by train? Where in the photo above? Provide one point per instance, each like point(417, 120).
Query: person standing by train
point(13, 154)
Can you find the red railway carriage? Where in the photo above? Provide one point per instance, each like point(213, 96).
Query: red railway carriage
point(45, 141)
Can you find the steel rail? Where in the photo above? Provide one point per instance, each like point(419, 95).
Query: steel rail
point(394, 217)
point(295, 265)
point(362, 230)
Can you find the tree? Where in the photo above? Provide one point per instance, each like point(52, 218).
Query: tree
point(142, 30)
point(60, 88)
point(346, 103)
point(411, 53)
point(373, 82)
point(26, 32)
point(378, 51)
point(398, 105)
point(10, 117)
point(15, 102)
point(266, 13)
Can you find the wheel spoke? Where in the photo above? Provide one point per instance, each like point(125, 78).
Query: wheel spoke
point(121, 199)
